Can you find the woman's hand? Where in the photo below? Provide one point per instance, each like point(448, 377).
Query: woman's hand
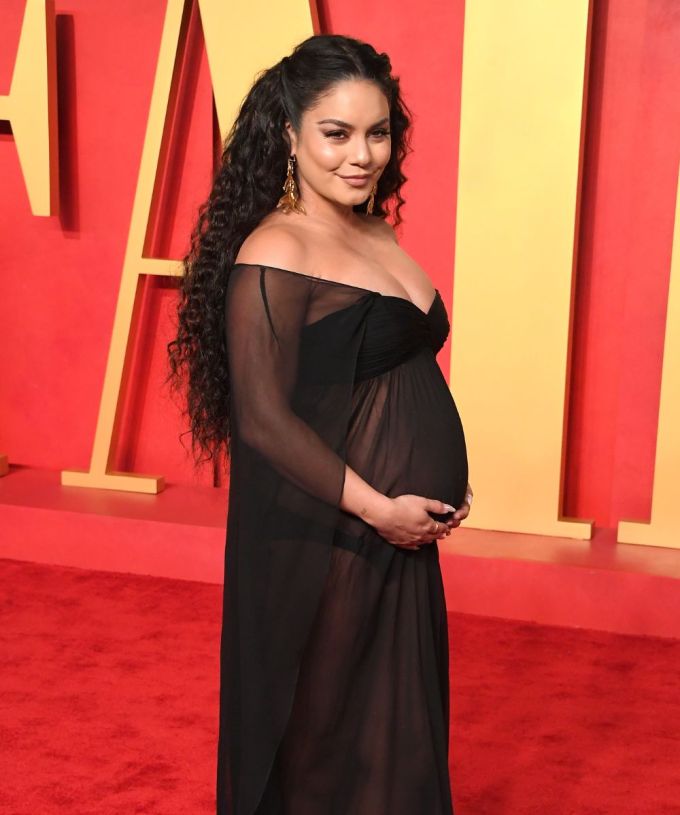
point(407, 524)
point(462, 512)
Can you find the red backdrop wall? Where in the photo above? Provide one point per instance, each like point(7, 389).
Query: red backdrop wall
point(60, 275)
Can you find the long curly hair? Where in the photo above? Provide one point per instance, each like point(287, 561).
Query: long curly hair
point(246, 187)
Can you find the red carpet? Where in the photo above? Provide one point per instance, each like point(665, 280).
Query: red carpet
point(108, 704)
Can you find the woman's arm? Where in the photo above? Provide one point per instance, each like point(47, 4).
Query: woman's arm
point(265, 312)
point(264, 315)
point(361, 499)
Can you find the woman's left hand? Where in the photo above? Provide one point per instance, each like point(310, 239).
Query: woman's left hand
point(463, 511)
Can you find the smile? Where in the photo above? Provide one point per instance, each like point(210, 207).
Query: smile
point(356, 181)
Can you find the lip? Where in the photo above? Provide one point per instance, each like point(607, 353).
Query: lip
point(355, 180)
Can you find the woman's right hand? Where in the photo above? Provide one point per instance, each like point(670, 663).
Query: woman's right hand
point(407, 524)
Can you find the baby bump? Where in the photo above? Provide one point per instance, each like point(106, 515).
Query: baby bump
point(406, 435)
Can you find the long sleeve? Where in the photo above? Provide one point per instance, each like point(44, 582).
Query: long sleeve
point(265, 312)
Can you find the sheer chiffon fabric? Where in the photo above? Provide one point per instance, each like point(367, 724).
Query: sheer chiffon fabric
point(334, 693)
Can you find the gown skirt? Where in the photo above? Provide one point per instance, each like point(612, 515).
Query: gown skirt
point(334, 679)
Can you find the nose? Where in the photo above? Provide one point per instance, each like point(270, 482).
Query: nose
point(361, 153)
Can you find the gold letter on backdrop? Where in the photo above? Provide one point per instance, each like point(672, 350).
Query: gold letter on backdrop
point(31, 107)
point(241, 39)
point(664, 527)
point(524, 79)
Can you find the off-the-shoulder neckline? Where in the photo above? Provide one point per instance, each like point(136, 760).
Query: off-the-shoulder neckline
point(437, 293)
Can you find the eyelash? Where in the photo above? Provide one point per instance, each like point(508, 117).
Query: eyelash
point(381, 131)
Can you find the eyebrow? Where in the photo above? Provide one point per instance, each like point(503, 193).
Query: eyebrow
point(347, 125)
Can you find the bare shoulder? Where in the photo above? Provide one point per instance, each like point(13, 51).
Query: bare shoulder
point(274, 244)
point(379, 227)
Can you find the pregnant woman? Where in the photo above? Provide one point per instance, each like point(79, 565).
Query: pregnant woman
point(310, 338)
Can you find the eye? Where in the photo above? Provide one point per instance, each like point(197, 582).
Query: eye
point(338, 134)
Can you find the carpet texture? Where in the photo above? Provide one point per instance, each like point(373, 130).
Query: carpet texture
point(109, 691)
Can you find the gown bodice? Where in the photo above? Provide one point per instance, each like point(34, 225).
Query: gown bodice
point(396, 329)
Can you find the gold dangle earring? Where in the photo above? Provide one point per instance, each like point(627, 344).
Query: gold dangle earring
point(371, 199)
point(290, 201)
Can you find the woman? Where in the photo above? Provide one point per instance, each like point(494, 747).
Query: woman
point(310, 337)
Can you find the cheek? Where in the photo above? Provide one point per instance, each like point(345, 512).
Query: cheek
point(329, 157)
point(383, 153)
point(325, 155)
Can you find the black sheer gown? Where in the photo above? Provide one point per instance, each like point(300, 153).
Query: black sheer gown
point(334, 693)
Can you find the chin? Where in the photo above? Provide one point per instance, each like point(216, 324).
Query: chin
point(349, 200)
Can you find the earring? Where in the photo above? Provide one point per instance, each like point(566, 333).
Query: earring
point(290, 201)
point(371, 199)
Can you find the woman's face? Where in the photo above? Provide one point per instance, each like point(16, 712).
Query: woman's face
point(346, 134)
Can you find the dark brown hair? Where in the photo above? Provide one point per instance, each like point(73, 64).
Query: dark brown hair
point(246, 187)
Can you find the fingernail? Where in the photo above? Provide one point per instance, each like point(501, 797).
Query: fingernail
point(449, 508)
